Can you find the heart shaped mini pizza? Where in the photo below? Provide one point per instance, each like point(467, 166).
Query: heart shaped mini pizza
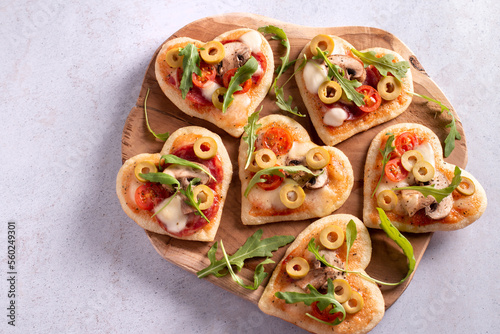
point(285, 176)
point(346, 91)
point(222, 81)
point(180, 191)
point(406, 176)
point(310, 287)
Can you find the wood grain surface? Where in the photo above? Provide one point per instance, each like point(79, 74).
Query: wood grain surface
point(388, 262)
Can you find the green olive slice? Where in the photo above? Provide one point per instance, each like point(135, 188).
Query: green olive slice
point(204, 195)
point(297, 268)
point(173, 58)
point(389, 88)
point(423, 171)
point(205, 148)
point(332, 237)
point(322, 41)
point(354, 304)
point(265, 158)
point(317, 157)
point(466, 186)
point(218, 97)
point(292, 195)
point(410, 158)
point(329, 92)
point(144, 167)
point(213, 52)
point(387, 200)
point(252, 167)
point(342, 290)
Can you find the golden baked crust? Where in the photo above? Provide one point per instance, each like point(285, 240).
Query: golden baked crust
point(465, 210)
point(388, 109)
point(261, 206)
point(359, 257)
point(126, 183)
point(243, 105)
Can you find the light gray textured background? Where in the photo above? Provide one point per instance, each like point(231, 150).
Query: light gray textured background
point(70, 73)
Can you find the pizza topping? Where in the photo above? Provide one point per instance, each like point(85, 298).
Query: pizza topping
point(385, 64)
point(173, 219)
point(173, 58)
point(205, 148)
point(253, 40)
point(204, 196)
point(236, 55)
point(218, 96)
point(405, 141)
point(443, 208)
point(297, 268)
point(394, 170)
point(144, 167)
point(335, 116)
point(148, 195)
point(206, 77)
point(410, 158)
point(265, 158)
point(352, 68)
point(387, 199)
point(371, 98)
point(314, 76)
point(292, 195)
point(317, 158)
point(329, 92)
point(319, 276)
point(466, 186)
point(423, 171)
point(212, 52)
point(186, 174)
point(354, 304)
point(243, 74)
point(324, 42)
point(331, 237)
point(190, 66)
point(389, 88)
point(413, 201)
point(277, 139)
point(342, 290)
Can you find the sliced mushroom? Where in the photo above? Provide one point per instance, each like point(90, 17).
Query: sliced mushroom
point(318, 181)
point(443, 208)
point(236, 55)
point(304, 179)
point(186, 174)
point(413, 200)
point(319, 275)
point(353, 68)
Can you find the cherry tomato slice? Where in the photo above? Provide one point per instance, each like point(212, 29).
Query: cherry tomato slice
point(272, 182)
point(226, 79)
point(278, 140)
point(405, 142)
point(371, 98)
point(394, 170)
point(207, 75)
point(325, 314)
point(148, 195)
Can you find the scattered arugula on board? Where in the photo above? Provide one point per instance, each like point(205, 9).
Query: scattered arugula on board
point(386, 152)
point(383, 64)
point(251, 134)
point(438, 194)
point(392, 232)
point(243, 73)
point(324, 300)
point(161, 136)
point(190, 65)
point(449, 142)
point(253, 247)
point(277, 170)
point(281, 102)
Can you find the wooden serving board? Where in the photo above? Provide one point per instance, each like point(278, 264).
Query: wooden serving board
point(388, 262)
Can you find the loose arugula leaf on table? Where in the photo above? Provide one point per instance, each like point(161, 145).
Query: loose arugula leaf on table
point(384, 64)
point(348, 86)
point(161, 136)
point(350, 236)
point(286, 105)
point(277, 170)
point(315, 296)
point(438, 194)
point(253, 247)
point(243, 73)
point(251, 134)
point(188, 192)
point(449, 142)
point(190, 65)
point(386, 152)
point(172, 159)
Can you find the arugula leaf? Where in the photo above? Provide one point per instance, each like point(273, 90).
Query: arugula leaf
point(384, 64)
point(277, 170)
point(258, 276)
point(348, 86)
point(190, 65)
point(280, 35)
point(243, 73)
point(253, 247)
point(286, 105)
point(251, 134)
point(314, 296)
point(311, 246)
point(438, 194)
point(385, 157)
point(160, 178)
point(188, 192)
point(172, 159)
point(350, 236)
point(453, 134)
point(161, 136)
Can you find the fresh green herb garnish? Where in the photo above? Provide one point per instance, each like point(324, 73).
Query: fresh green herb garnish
point(190, 65)
point(384, 64)
point(449, 142)
point(350, 236)
point(348, 86)
point(243, 73)
point(172, 159)
point(438, 194)
point(251, 134)
point(277, 170)
point(324, 300)
point(286, 105)
point(161, 136)
point(188, 192)
point(385, 158)
point(253, 247)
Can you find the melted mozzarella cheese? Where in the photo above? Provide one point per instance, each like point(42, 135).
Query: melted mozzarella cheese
point(300, 149)
point(314, 76)
point(172, 216)
point(335, 117)
point(209, 90)
point(427, 152)
point(266, 199)
point(253, 40)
